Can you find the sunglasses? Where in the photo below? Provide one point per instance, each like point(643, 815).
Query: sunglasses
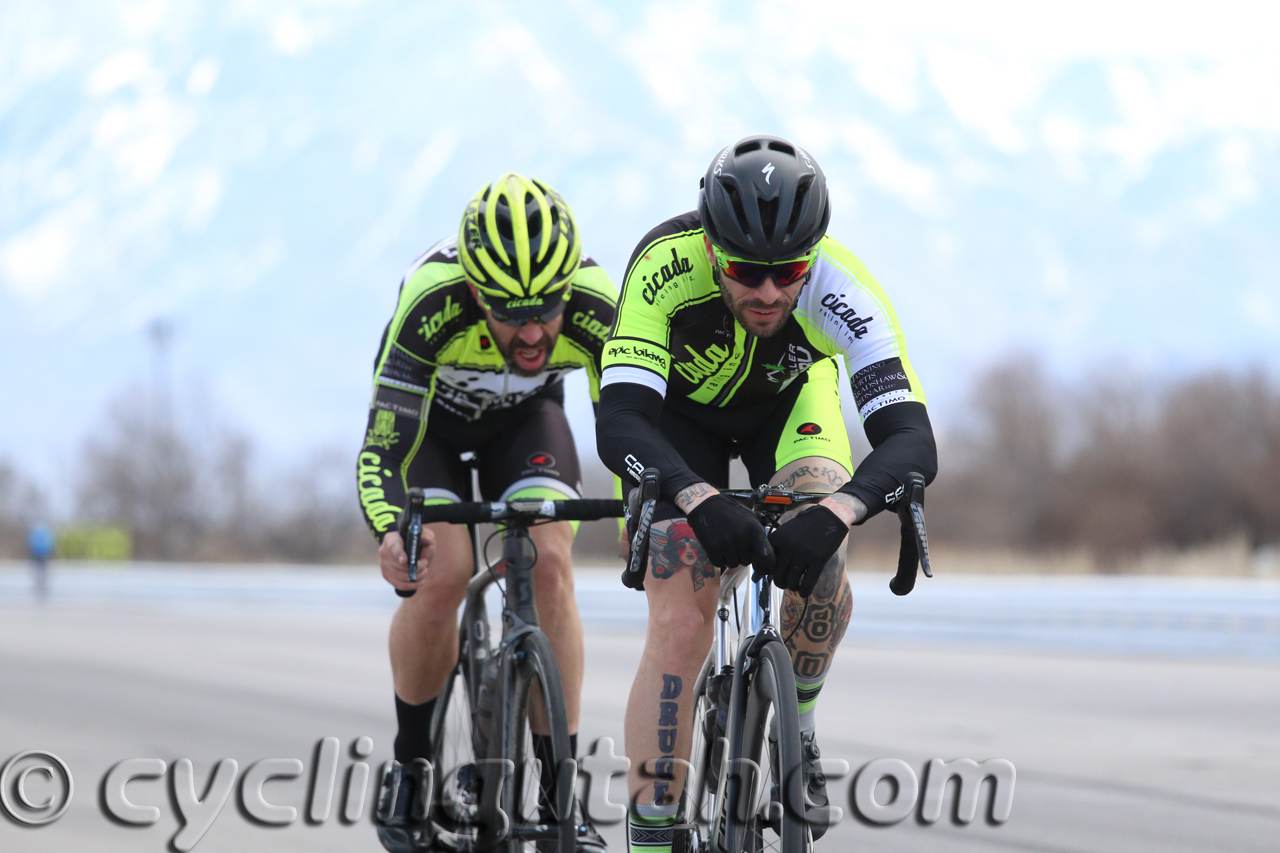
point(752, 274)
point(540, 312)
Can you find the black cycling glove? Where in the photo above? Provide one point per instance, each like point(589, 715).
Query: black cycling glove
point(730, 534)
point(804, 545)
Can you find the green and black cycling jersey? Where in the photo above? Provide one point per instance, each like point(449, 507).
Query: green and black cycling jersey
point(437, 354)
point(676, 343)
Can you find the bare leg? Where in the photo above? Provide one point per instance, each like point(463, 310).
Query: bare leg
point(424, 630)
point(659, 724)
point(814, 628)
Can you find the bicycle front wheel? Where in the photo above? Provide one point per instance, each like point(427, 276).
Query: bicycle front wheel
point(457, 776)
point(761, 802)
point(537, 815)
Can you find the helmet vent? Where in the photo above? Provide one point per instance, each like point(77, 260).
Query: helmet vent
point(768, 216)
point(746, 148)
point(735, 198)
point(504, 223)
point(775, 145)
point(802, 192)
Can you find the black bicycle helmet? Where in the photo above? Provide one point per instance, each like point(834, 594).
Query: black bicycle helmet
point(764, 199)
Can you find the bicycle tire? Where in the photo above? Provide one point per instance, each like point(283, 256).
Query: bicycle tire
point(531, 662)
point(456, 779)
point(459, 747)
point(740, 826)
point(701, 748)
point(690, 817)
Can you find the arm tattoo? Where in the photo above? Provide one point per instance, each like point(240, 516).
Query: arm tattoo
point(817, 478)
point(687, 496)
point(857, 507)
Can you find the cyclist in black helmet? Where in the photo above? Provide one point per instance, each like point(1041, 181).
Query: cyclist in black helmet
point(729, 324)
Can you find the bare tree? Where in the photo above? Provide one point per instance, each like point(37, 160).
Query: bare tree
point(141, 473)
point(21, 504)
point(999, 484)
point(1115, 465)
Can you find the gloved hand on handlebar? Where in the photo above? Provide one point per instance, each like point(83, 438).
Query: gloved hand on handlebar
point(730, 534)
point(804, 545)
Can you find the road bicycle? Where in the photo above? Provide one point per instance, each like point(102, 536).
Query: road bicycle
point(485, 784)
point(737, 799)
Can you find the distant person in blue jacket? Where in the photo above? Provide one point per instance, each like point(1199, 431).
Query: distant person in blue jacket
point(40, 547)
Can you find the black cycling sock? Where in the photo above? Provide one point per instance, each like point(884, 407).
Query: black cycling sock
point(547, 774)
point(413, 738)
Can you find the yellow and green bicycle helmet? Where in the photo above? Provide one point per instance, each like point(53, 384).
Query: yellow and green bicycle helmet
point(519, 246)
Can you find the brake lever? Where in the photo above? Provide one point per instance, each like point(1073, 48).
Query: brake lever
point(914, 551)
point(411, 532)
point(646, 497)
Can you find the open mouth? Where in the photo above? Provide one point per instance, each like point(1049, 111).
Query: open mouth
point(530, 358)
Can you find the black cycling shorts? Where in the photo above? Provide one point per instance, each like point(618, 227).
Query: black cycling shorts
point(804, 420)
point(526, 451)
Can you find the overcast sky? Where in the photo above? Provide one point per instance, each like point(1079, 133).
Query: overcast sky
point(1096, 184)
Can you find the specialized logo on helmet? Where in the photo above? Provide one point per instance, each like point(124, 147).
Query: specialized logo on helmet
point(768, 172)
point(720, 161)
point(809, 429)
point(542, 460)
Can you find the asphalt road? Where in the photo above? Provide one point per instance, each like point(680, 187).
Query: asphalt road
point(1141, 716)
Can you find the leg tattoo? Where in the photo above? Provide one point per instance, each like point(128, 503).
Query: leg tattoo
point(673, 547)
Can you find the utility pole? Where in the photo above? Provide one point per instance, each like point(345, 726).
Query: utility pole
point(160, 331)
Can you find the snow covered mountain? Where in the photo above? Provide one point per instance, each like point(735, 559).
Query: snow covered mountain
point(1097, 183)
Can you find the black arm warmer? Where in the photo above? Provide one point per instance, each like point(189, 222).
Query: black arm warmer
point(902, 441)
point(628, 440)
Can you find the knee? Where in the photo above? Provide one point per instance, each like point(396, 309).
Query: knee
point(553, 574)
point(682, 628)
point(439, 596)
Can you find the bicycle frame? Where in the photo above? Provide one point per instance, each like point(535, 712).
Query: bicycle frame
point(726, 651)
point(519, 620)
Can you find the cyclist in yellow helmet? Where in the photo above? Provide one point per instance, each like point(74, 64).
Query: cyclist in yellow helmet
point(486, 327)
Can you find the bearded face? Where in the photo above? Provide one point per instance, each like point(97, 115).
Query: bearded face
point(528, 348)
point(761, 311)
